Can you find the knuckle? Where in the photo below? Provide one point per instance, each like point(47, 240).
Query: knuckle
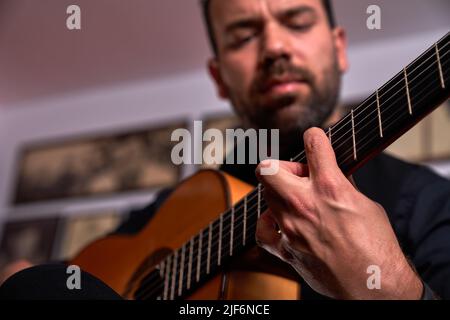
point(379, 207)
point(302, 205)
point(329, 185)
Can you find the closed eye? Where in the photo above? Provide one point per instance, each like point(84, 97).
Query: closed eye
point(300, 27)
point(241, 37)
point(300, 19)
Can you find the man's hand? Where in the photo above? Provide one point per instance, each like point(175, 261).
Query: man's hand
point(330, 232)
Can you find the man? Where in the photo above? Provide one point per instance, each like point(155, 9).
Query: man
point(280, 64)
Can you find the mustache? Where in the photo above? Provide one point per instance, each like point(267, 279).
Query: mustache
point(279, 71)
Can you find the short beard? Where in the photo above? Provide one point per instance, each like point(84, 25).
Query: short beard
point(316, 109)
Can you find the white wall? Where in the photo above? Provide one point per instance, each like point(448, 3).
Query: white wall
point(189, 95)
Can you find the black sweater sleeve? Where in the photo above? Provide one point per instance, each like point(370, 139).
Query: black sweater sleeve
point(417, 202)
point(427, 202)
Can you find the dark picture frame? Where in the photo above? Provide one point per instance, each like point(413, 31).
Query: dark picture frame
point(101, 165)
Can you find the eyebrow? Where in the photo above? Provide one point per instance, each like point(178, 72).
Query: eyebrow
point(251, 22)
point(289, 13)
point(243, 23)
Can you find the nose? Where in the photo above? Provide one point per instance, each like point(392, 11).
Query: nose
point(275, 44)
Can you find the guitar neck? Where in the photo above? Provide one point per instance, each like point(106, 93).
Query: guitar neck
point(363, 133)
point(393, 109)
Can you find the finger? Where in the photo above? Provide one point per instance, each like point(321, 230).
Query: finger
point(320, 154)
point(287, 178)
point(267, 232)
point(268, 236)
point(295, 168)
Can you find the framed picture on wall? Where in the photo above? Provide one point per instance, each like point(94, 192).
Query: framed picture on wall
point(32, 240)
point(428, 140)
point(100, 165)
point(81, 230)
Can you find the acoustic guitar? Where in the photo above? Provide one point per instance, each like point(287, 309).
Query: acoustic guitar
point(201, 242)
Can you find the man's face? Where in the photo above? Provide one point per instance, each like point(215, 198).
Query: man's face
point(278, 61)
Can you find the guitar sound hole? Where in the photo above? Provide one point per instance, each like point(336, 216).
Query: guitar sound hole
point(151, 287)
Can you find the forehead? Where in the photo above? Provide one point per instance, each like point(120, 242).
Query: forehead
point(227, 11)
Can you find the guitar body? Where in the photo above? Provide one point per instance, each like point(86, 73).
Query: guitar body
point(123, 261)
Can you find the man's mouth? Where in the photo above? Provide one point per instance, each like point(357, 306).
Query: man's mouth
point(282, 85)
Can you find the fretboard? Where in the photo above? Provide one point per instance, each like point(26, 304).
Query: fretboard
point(358, 137)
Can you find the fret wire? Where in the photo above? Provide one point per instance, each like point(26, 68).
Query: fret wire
point(208, 259)
point(180, 284)
point(441, 75)
point(174, 275)
point(232, 231)
point(329, 135)
point(191, 248)
point(407, 91)
point(353, 136)
point(161, 269)
point(220, 240)
point(167, 278)
point(161, 275)
point(244, 222)
point(379, 115)
point(199, 256)
point(259, 200)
